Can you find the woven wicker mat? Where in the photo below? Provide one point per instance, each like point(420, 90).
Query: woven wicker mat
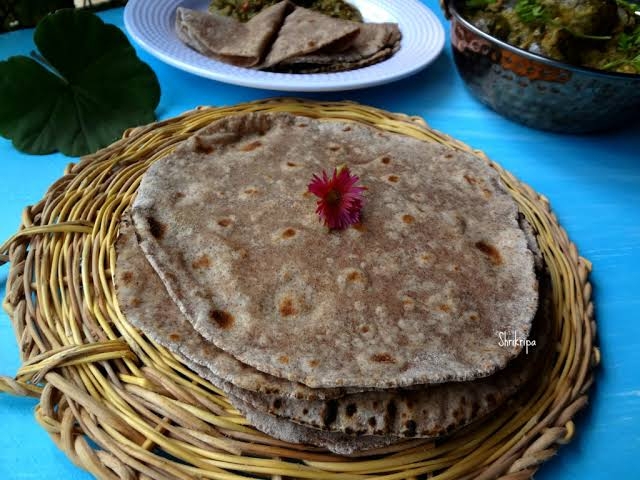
point(149, 417)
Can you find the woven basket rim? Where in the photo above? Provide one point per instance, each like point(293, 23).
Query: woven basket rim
point(149, 416)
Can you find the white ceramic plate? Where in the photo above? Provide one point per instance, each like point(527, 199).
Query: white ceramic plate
point(151, 24)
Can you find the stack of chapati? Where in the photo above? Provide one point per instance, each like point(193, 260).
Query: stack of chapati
point(284, 37)
point(349, 339)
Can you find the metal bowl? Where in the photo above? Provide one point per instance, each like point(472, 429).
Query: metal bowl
point(538, 91)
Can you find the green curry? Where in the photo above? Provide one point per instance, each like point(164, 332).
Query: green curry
point(601, 34)
point(243, 10)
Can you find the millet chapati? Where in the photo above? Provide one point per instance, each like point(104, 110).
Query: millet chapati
point(241, 44)
point(423, 411)
point(414, 295)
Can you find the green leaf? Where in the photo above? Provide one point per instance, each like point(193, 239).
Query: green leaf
point(480, 3)
point(530, 11)
point(629, 41)
point(90, 87)
point(631, 7)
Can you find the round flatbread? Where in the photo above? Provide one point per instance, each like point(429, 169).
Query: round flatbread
point(429, 411)
point(242, 44)
point(416, 294)
point(146, 304)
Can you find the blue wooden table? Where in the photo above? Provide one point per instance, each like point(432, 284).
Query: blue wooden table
point(593, 183)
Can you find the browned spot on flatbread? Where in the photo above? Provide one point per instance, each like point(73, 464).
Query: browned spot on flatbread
point(355, 276)
point(390, 413)
point(470, 180)
point(222, 319)
point(307, 194)
point(364, 328)
point(203, 261)
point(283, 359)
point(251, 146)
point(303, 125)
point(449, 155)
point(490, 251)
point(311, 44)
point(408, 218)
point(334, 148)
point(156, 228)
point(385, 160)
point(178, 195)
point(458, 414)
point(171, 276)
point(330, 412)
point(224, 222)
point(291, 164)
point(359, 227)
point(251, 191)
point(444, 307)
point(351, 409)
point(136, 302)
point(286, 308)
point(127, 277)
point(410, 427)
point(383, 358)
point(346, 129)
point(473, 317)
point(202, 146)
point(277, 403)
point(313, 363)
point(393, 178)
point(174, 337)
point(486, 192)
point(288, 233)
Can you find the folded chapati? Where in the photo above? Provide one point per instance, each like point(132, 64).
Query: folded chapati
point(374, 43)
point(305, 31)
point(284, 37)
point(423, 411)
point(415, 295)
point(241, 44)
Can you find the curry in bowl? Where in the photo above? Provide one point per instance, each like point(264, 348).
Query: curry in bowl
point(600, 34)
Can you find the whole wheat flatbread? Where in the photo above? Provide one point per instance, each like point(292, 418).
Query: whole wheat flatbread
point(374, 43)
point(146, 304)
point(340, 443)
point(288, 431)
point(423, 411)
point(426, 412)
point(305, 31)
point(241, 44)
point(414, 296)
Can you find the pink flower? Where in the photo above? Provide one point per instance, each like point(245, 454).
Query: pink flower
point(340, 200)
